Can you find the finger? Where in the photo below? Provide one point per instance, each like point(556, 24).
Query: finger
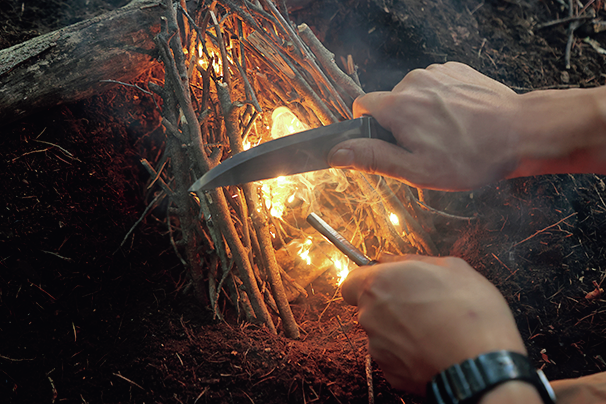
point(370, 104)
point(354, 283)
point(378, 157)
point(385, 257)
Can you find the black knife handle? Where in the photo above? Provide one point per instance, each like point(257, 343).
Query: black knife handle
point(378, 132)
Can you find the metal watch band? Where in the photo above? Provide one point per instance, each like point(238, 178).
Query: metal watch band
point(468, 381)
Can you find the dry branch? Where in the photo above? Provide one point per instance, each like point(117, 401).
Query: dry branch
point(68, 64)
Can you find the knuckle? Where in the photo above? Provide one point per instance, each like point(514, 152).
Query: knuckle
point(416, 74)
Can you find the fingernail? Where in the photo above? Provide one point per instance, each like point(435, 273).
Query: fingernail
point(342, 158)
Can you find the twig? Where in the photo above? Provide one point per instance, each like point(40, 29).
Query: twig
point(58, 256)
point(573, 26)
point(128, 380)
point(158, 179)
point(68, 154)
point(441, 213)
point(542, 230)
point(42, 290)
point(158, 173)
point(225, 63)
point(144, 91)
point(347, 338)
point(327, 61)
point(564, 21)
point(148, 208)
point(369, 383)
point(30, 152)
point(54, 393)
point(248, 88)
point(14, 360)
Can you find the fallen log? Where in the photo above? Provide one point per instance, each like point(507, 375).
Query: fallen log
point(67, 65)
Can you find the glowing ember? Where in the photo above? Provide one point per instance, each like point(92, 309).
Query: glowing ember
point(394, 219)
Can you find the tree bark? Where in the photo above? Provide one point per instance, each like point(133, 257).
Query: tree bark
point(67, 65)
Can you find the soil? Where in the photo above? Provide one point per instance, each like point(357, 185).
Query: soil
point(85, 320)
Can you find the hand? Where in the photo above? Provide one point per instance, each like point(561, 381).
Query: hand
point(454, 126)
point(584, 390)
point(425, 314)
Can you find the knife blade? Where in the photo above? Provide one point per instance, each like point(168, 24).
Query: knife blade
point(294, 154)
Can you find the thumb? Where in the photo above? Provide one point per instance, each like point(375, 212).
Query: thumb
point(376, 157)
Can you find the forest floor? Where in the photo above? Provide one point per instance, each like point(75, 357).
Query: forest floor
point(83, 320)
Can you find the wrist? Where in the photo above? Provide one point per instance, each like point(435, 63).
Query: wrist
point(492, 378)
point(561, 131)
point(514, 391)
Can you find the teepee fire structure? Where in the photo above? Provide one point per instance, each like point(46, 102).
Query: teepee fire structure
point(237, 74)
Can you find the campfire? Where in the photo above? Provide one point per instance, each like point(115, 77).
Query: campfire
point(81, 322)
point(236, 75)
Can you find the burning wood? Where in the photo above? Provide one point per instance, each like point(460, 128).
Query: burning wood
point(237, 74)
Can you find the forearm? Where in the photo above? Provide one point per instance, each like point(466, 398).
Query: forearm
point(561, 131)
point(584, 390)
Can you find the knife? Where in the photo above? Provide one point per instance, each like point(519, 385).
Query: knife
point(294, 154)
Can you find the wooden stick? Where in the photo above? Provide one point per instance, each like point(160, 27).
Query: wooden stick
point(327, 61)
point(67, 65)
point(369, 382)
point(176, 76)
point(259, 220)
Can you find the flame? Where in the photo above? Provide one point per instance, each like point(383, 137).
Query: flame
point(394, 219)
point(276, 193)
point(213, 56)
point(304, 251)
point(342, 267)
point(285, 123)
point(280, 191)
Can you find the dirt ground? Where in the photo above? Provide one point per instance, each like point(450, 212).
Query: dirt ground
point(82, 320)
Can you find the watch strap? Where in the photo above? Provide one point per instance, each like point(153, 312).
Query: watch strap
point(466, 382)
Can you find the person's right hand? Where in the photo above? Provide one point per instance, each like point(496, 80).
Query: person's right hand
point(454, 126)
point(425, 314)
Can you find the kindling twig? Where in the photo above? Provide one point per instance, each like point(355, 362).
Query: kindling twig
point(369, 383)
point(353, 349)
point(144, 91)
point(327, 61)
point(545, 229)
point(442, 213)
point(128, 380)
point(148, 208)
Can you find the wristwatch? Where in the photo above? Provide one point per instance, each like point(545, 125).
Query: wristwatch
point(468, 381)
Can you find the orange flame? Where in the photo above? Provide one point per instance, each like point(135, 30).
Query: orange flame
point(342, 267)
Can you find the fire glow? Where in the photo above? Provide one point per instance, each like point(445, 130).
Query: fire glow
point(342, 267)
point(280, 193)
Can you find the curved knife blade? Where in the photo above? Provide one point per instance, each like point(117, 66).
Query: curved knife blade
point(294, 154)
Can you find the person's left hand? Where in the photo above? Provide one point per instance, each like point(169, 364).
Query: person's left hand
point(425, 314)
